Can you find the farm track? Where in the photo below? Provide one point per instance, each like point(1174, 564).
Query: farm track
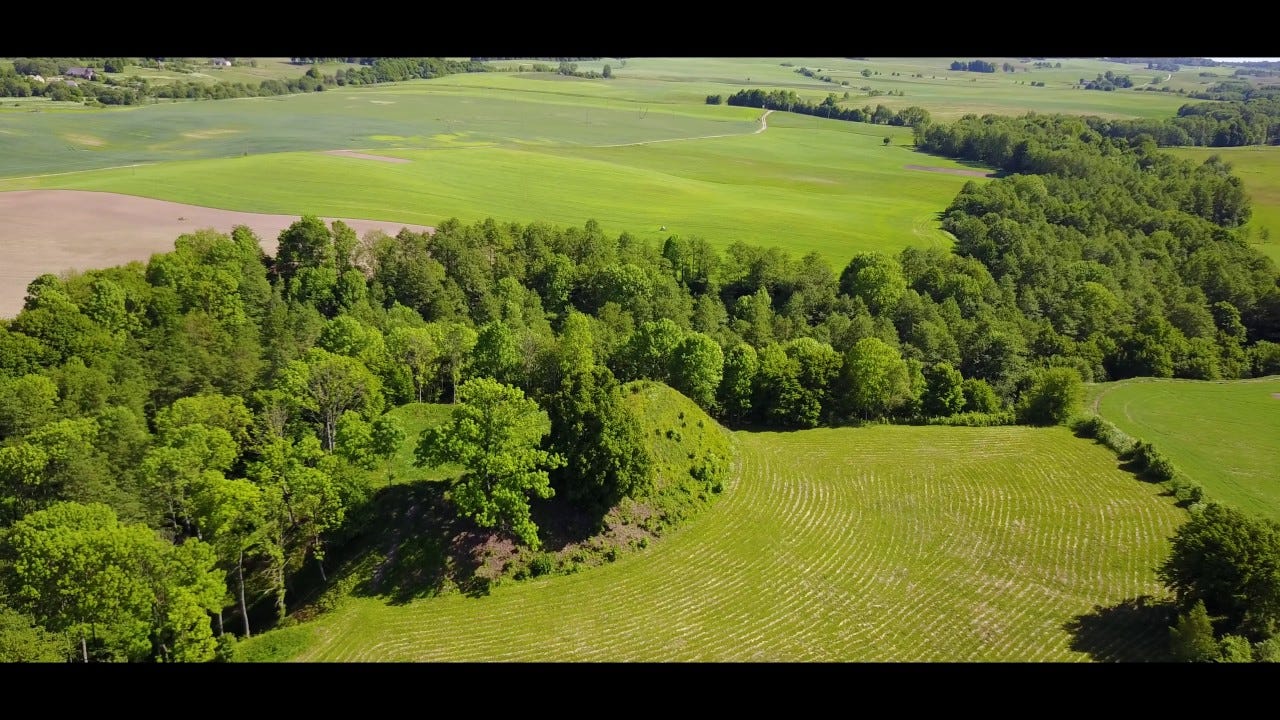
point(982, 546)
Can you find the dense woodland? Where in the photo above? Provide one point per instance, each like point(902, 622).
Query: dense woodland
point(133, 90)
point(183, 437)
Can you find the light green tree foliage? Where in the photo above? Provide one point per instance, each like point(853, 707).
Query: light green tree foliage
point(457, 342)
point(1234, 649)
point(876, 278)
point(118, 590)
point(324, 385)
point(753, 318)
point(979, 396)
point(23, 640)
point(312, 493)
point(1192, 636)
point(497, 354)
point(234, 517)
point(648, 353)
point(26, 403)
point(495, 433)
point(696, 368)
point(817, 366)
point(778, 396)
point(57, 461)
point(173, 473)
point(354, 440)
point(875, 378)
point(386, 435)
point(1055, 394)
point(1267, 650)
point(213, 410)
point(419, 351)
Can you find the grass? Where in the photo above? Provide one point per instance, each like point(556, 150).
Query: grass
point(878, 544)
point(681, 439)
point(1224, 435)
point(414, 418)
point(808, 184)
point(540, 146)
point(1258, 167)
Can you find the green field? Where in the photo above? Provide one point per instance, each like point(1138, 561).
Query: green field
point(1224, 435)
point(804, 183)
point(637, 153)
point(1259, 168)
point(886, 543)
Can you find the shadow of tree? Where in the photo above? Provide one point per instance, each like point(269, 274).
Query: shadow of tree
point(1134, 630)
point(418, 545)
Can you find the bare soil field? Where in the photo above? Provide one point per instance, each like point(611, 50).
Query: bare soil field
point(51, 231)
point(365, 156)
point(950, 171)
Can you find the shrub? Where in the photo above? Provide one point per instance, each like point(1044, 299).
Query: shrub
point(542, 564)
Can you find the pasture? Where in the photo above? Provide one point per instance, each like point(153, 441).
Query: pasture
point(1224, 435)
point(885, 543)
point(1258, 167)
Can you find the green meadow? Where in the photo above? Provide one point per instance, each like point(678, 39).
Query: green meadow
point(855, 544)
point(1258, 166)
point(1224, 435)
point(805, 183)
point(637, 153)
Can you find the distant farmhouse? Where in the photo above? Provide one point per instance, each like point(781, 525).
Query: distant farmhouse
point(80, 72)
point(220, 62)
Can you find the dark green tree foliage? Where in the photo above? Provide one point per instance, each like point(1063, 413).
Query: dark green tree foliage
point(605, 458)
point(737, 383)
point(944, 391)
point(1054, 395)
point(1230, 561)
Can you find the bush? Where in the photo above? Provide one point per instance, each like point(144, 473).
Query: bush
point(1054, 395)
point(975, 419)
point(1093, 426)
point(542, 564)
point(1186, 490)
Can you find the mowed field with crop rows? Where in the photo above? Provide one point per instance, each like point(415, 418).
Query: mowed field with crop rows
point(1224, 435)
point(855, 544)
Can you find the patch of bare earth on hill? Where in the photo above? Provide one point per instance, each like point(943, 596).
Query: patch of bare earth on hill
point(53, 231)
point(949, 171)
point(1276, 395)
point(365, 156)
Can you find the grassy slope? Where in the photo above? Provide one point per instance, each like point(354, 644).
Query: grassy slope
point(881, 543)
point(1259, 169)
point(1225, 435)
point(414, 418)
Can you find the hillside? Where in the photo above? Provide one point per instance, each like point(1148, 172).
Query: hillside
point(885, 543)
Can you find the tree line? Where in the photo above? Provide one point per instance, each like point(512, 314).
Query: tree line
point(830, 107)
